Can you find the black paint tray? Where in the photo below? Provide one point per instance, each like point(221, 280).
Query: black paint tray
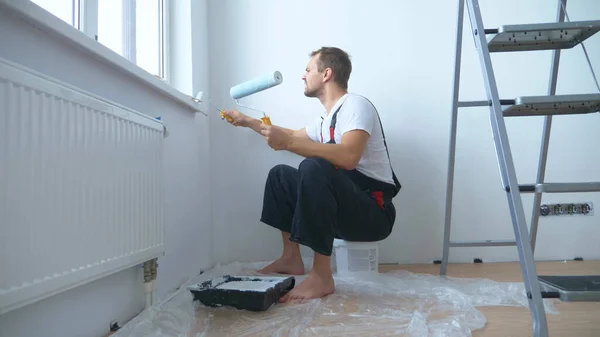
point(240, 292)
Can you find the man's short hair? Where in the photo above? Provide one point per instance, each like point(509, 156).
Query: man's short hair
point(336, 59)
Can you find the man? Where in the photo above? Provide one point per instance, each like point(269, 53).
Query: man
point(344, 187)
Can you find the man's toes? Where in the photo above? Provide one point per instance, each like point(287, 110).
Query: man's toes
point(285, 298)
point(296, 297)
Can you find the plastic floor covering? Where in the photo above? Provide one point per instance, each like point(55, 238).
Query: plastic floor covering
point(398, 303)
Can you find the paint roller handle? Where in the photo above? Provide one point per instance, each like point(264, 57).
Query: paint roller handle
point(227, 117)
point(266, 120)
point(235, 118)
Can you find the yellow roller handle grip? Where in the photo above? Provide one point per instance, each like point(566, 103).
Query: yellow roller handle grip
point(225, 116)
point(266, 120)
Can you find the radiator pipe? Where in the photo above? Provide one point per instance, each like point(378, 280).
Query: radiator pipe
point(148, 283)
point(154, 273)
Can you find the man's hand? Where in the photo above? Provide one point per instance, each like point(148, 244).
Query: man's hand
point(277, 138)
point(236, 118)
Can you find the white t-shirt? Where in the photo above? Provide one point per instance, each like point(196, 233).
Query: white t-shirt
point(357, 114)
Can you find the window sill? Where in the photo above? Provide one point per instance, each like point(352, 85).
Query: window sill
point(47, 22)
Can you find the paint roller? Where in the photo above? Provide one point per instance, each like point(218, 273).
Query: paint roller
point(258, 84)
point(248, 88)
point(254, 86)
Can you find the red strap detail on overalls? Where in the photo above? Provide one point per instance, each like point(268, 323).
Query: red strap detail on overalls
point(378, 198)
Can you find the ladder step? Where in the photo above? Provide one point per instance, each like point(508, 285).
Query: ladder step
point(471, 104)
point(560, 187)
point(540, 36)
point(485, 243)
point(553, 105)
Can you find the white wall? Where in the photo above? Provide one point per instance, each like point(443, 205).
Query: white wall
point(407, 73)
point(87, 310)
point(403, 56)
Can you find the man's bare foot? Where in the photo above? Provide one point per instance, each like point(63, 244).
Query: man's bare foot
point(285, 265)
point(314, 286)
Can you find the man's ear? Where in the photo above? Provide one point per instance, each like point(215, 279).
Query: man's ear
point(327, 74)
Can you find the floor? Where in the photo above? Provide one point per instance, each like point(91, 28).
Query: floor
point(484, 299)
point(575, 319)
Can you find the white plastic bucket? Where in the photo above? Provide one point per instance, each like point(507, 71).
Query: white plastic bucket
point(356, 257)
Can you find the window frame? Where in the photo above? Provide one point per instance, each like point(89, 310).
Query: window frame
point(164, 46)
point(85, 19)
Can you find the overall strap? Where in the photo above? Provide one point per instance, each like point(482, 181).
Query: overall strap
point(332, 128)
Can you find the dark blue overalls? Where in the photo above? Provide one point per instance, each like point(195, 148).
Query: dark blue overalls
point(318, 202)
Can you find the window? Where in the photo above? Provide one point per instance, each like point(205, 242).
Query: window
point(134, 29)
point(148, 36)
point(63, 9)
point(110, 24)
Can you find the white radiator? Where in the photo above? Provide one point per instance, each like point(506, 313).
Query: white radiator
point(80, 187)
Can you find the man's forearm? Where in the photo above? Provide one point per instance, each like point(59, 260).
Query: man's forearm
point(254, 124)
point(339, 155)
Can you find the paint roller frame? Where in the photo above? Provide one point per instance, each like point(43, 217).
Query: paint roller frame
point(256, 85)
point(248, 88)
point(201, 95)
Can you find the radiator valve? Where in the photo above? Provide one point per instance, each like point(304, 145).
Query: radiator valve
point(165, 130)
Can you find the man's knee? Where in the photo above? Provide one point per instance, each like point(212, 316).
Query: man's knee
point(280, 173)
point(314, 166)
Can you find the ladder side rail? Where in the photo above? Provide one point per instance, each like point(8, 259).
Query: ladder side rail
point(506, 165)
point(541, 170)
point(453, 127)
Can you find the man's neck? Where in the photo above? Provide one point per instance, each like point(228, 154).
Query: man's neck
point(331, 97)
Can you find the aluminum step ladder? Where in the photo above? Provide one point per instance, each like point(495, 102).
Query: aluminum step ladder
point(553, 36)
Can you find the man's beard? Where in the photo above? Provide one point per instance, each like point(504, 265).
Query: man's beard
point(310, 93)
